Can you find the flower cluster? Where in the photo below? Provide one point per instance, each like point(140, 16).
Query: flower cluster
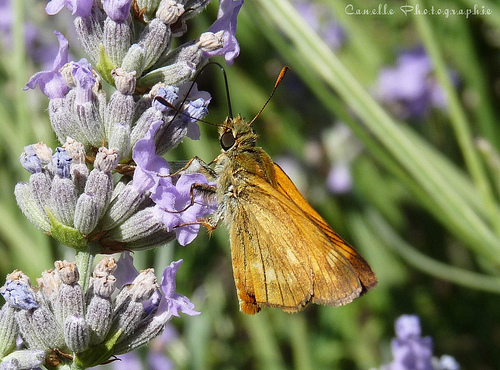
point(107, 188)
point(128, 47)
point(409, 89)
point(411, 351)
point(60, 322)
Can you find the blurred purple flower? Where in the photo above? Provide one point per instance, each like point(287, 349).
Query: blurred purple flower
point(35, 44)
point(339, 180)
point(226, 21)
point(409, 349)
point(409, 87)
point(79, 8)
point(157, 360)
point(51, 82)
point(321, 20)
point(128, 361)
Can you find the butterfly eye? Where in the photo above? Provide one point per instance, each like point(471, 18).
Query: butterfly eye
point(227, 140)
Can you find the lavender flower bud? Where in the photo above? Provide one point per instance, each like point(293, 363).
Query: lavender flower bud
point(100, 306)
point(130, 306)
point(8, 330)
point(190, 52)
point(146, 331)
point(100, 180)
point(116, 39)
point(139, 226)
point(135, 59)
point(120, 139)
point(17, 291)
point(173, 74)
point(63, 200)
point(100, 310)
point(75, 150)
point(29, 206)
point(62, 120)
point(87, 213)
point(50, 283)
point(125, 204)
point(90, 32)
point(169, 11)
point(143, 124)
point(30, 161)
point(61, 163)
point(78, 168)
point(23, 359)
point(39, 328)
point(209, 41)
point(155, 39)
point(76, 333)
point(120, 109)
point(124, 80)
point(90, 124)
point(69, 299)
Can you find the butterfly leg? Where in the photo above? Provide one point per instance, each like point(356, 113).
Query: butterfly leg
point(194, 165)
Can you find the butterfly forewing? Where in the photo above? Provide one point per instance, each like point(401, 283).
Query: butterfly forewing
point(284, 259)
point(363, 270)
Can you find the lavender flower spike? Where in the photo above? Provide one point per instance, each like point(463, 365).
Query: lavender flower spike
point(51, 82)
point(226, 22)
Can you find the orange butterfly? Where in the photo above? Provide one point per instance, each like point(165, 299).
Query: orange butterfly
point(284, 254)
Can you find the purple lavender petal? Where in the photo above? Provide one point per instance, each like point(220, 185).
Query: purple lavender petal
point(170, 94)
point(117, 10)
point(51, 82)
point(175, 208)
point(79, 8)
point(85, 81)
point(125, 272)
point(173, 302)
point(226, 21)
point(61, 162)
point(18, 295)
point(30, 160)
point(149, 164)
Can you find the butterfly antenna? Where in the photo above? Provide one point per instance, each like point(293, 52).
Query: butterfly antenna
point(230, 111)
point(278, 81)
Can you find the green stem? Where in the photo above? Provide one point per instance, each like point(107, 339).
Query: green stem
point(458, 119)
point(84, 262)
point(381, 229)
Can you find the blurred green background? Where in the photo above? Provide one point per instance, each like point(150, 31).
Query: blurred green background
point(423, 207)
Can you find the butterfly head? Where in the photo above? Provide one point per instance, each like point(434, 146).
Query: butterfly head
point(236, 133)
